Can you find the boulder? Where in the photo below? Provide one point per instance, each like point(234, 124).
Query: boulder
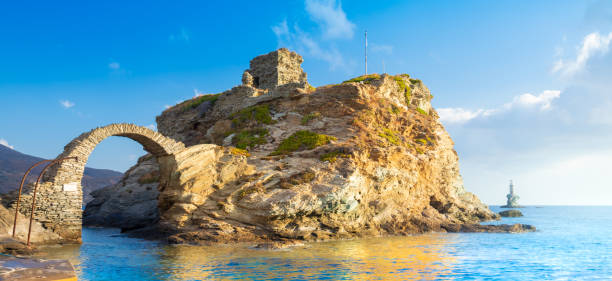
point(511, 213)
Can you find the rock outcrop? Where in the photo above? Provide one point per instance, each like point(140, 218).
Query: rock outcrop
point(131, 203)
point(277, 159)
point(40, 235)
point(511, 213)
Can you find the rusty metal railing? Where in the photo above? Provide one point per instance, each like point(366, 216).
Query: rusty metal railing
point(53, 162)
point(21, 188)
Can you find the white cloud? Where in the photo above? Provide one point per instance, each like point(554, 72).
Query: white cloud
point(66, 103)
point(304, 44)
point(281, 29)
point(330, 55)
point(378, 48)
point(543, 100)
point(114, 65)
point(333, 24)
point(153, 127)
point(197, 93)
point(593, 44)
point(5, 143)
point(459, 115)
point(331, 18)
point(183, 36)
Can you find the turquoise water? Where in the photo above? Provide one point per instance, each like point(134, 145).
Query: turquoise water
point(572, 243)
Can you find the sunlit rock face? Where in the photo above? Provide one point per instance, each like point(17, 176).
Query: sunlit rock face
point(366, 157)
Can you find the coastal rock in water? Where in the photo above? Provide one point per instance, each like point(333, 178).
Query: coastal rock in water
point(277, 159)
point(130, 203)
point(511, 213)
point(505, 228)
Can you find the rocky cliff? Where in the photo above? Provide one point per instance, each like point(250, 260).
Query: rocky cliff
point(276, 158)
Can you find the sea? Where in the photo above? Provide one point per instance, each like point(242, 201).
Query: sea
point(571, 243)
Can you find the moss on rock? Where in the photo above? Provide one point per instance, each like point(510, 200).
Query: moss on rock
point(302, 140)
point(310, 116)
point(250, 138)
point(195, 102)
point(390, 136)
point(238, 151)
point(366, 79)
point(403, 87)
point(334, 155)
point(422, 111)
point(257, 113)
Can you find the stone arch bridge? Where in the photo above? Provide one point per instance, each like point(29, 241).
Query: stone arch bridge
point(59, 199)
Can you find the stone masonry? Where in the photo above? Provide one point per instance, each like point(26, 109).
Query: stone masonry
point(275, 69)
point(59, 196)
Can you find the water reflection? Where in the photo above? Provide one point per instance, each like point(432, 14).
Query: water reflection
point(105, 256)
point(572, 243)
point(421, 257)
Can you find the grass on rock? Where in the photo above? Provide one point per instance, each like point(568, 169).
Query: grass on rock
point(333, 156)
point(310, 116)
point(250, 138)
point(390, 136)
point(258, 113)
point(415, 81)
point(195, 102)
point(366, 79)
point(302, 140)
point(238, 151)
point(405, 88)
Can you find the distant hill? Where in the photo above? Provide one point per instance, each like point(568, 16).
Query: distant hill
point(13, 164)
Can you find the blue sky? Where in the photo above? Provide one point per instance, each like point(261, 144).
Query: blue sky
point(522, 86)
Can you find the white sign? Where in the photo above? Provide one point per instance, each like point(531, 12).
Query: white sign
point(70, 186)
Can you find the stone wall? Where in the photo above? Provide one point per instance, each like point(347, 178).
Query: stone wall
point(274, 69)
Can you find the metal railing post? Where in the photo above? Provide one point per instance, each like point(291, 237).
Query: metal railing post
point(36, 187)
point(19, 194)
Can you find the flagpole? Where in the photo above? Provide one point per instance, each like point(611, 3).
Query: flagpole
point(366, 52)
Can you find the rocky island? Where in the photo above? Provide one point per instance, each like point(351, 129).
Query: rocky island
point(276, 159)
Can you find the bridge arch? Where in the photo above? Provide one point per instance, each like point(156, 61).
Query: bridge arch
point(60, 200)
point(71, 172)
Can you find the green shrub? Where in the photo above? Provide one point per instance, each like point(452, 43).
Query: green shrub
point(366, 79)
point(415, 81)
point(394, 109)
point(302, 140)
point(250, 190)
point(195, 102)
point(403, 87)
point(258, 113)
point(238, 151)
point(421, 141)
point(390, 136)
point(333, 156)
point(310, 116)
point(250, 138)
point(422, 111)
